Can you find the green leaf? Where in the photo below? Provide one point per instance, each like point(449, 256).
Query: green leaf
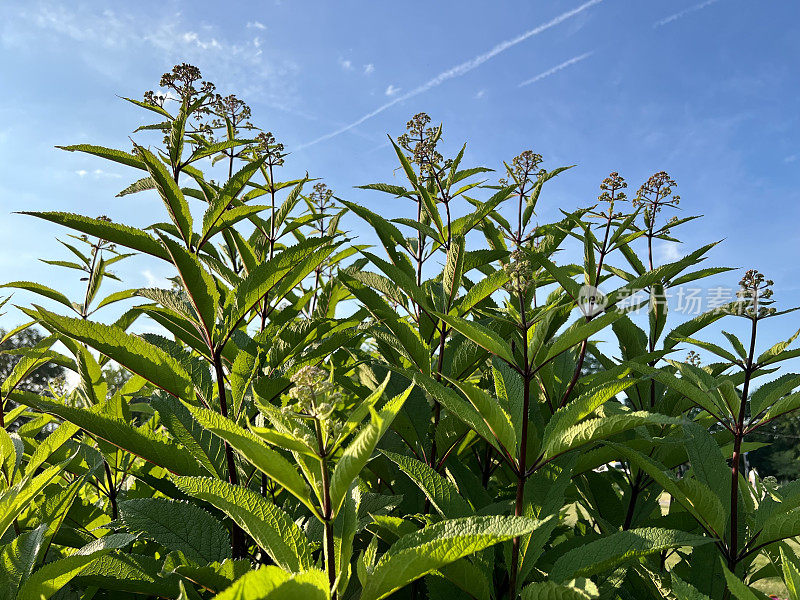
point(130, 237)
point(345, 527)
point(580, 331)
point(493, 414)
point(170, 193)
point(264, 458)
point(391, 237)
point(271, 583)
point(18, 558)
point(684, 591)
point(118, 156)
point(42, 290)
point(442, 493)
point(737, 587)
point(131, 351)
point(130, 572)
point(140, 185)
point(780, 526)
point(229, 192)
point(207, 448)
point(582, 407)
point(548, 590)
point(696, 497)
point(456, 405)
point(198, 283)
point(142, 442)
point(768, 394)
point(618, 548)
point(791, 576)
point(435, 546)
point(53, 576)
point(481, 335)
point(453, 269)
point(480, 291)
point(604, 427)
point(270, 527)
point(407, 339)
point(682, 386)
point(177, 526)
point(16, 498)
point(285, 270)
point(360, 450)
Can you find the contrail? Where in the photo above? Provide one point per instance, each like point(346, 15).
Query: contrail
point(457, 71)
point(556, 69)
point(683, 13)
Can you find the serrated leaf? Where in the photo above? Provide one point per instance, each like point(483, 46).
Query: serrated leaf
point(271, 583)
point(442, 493)
point(270, 527)
point(434, 546)
point(548, 590)
point(604, 427)
point(481, 335)
point(618, 548)
point(131, 351)
point(360, 450)
point(267, 460)
point(141, 442)
point(177, 526)
point(170, 193)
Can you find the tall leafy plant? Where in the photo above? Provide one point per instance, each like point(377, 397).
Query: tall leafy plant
point(435, 418)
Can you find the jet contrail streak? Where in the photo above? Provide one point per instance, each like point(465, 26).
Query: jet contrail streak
point(457, 71)
point(556, 69)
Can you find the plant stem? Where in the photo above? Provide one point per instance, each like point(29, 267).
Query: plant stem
point(327, 511)
point(635, 489)
point(112, 490)
point(237, 535)
point(522, 475)
point(738, 436)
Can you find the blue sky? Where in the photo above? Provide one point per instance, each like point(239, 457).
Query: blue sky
point(706, 91)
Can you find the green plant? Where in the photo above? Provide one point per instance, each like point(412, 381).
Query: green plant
point(435, 419)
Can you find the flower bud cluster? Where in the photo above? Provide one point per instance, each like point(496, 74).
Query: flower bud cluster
point(267, 146)
point(693, 358)
point(756, 293)
point(526, 164)
point(610, 192)
point(315, 395)
point(420, 142)
point(655, 194)
point(520, 272)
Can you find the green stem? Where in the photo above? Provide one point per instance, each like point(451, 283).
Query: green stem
point(112, 490)
point(522, 474)
point(237, 535)
point(738, 436)
point(327, 511)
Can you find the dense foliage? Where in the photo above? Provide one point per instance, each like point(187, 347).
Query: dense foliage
point(433, 419)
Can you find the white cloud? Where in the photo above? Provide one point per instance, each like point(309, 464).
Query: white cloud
point(556, 69)
point(97, 174)
point(458, 70)
point(480, 94)
point(369, 68)
point(190, 37)
point(683, 13)
point(669, 252)
point(155, 281)
point(256, 25)
point(346, 64)
point(117, 42)
point(391, 90)
point(791, 158)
